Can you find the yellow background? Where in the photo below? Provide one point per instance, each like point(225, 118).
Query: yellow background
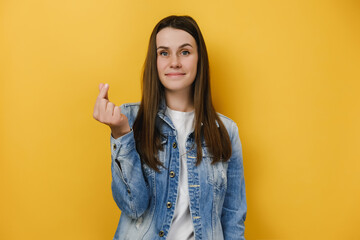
point(286, 71)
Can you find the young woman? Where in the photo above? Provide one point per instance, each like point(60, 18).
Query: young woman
point(177, 170)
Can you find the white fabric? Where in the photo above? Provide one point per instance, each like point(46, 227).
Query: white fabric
point(182, 226)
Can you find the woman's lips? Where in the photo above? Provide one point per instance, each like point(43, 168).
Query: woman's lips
point(174, 74)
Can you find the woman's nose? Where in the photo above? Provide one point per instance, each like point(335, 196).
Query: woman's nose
point(175, 62)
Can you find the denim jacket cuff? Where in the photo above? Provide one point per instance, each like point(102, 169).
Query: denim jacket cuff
point(122, 145)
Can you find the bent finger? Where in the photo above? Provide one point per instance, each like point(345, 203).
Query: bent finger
point(117, 112)
point(110, 108)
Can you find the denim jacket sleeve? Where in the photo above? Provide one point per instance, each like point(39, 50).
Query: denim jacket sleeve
point(235, 207)
point(128, 185)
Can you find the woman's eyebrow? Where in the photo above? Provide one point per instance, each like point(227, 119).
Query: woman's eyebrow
point(183, 45)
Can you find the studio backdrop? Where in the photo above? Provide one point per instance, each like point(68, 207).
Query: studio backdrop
point(287, 72)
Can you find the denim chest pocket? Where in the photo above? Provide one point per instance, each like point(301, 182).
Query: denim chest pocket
point(216, 173)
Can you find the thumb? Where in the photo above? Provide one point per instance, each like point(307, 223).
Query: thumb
point(103, 91)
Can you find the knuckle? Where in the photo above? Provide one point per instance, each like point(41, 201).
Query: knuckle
point(102, 119)
point(106, 119)
point(110, 104)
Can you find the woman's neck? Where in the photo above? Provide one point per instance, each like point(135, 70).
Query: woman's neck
point(178, 101)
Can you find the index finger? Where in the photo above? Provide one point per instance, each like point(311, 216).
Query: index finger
point(103, 91)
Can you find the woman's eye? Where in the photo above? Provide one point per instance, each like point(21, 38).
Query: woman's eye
point(163, 54)
point(185, 53)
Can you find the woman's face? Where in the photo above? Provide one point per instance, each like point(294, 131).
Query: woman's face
point(177, 59)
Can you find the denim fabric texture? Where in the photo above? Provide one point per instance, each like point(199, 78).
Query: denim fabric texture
point(147, 199)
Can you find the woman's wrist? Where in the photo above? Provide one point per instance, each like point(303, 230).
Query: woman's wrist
point(118, 132)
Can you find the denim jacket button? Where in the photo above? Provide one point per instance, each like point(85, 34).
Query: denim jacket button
point(161, 233)
point(172, 174)
point(114, 146)
point(174, 145)
point(168, 204)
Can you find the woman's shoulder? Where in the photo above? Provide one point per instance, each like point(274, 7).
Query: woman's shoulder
point(225, 119)
point(229, 124)
point(130, 110)
point(130, 106)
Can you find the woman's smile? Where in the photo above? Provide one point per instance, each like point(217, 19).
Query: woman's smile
point(175, 74)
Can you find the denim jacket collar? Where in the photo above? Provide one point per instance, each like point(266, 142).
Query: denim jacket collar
point(162, 115)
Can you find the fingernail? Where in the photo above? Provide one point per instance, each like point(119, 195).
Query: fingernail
point(106, 85)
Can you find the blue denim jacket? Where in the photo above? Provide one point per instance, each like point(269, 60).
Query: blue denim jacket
point(147, 199)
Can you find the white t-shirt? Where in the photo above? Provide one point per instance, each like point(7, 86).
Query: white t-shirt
point(181, 227)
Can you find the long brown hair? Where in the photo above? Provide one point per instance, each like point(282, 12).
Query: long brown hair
point(207, 123)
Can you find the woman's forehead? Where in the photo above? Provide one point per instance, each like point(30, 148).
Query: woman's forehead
point(174, 38)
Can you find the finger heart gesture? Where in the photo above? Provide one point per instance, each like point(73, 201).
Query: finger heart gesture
point(108, 113)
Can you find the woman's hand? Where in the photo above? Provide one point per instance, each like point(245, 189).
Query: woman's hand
point(106, 112)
